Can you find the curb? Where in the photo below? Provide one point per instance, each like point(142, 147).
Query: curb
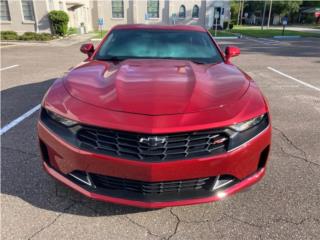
point(95, 39)
point(286, 37)
point(7, 45)
point(25, 42)
point(235, 37)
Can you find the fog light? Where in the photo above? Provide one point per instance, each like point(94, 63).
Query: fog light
point(221, 194)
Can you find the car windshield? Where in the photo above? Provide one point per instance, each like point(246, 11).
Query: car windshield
point(124, 44)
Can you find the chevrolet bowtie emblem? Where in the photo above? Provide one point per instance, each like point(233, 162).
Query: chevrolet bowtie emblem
point(153, 141)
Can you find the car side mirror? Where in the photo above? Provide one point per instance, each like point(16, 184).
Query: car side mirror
point(87, 48)
point(231, 51)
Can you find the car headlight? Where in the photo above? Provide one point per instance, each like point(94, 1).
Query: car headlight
point(245, 131)
point(240, 127)
point(62, 120)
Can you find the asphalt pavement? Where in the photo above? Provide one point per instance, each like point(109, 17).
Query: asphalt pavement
point(284, 205)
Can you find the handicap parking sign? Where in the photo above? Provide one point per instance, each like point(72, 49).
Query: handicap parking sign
point(285, 21)
point(100, 21)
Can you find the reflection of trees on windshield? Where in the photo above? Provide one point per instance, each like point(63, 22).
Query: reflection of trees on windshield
point(187, 45)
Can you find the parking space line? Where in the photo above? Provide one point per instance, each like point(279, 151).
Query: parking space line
point(264, 41)
point(294, 79)
point(19, 119)
point(6, 68)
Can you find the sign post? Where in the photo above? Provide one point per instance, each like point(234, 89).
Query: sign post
point(216, 16)
point(100, 24)
point(284, 24)
point(174, 18)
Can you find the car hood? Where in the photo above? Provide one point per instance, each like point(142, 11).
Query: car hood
point(156, 87)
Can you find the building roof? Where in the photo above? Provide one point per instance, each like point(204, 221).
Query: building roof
point(161, 27)
point(309, 9)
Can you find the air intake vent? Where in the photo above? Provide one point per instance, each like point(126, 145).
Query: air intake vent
point(150, 187)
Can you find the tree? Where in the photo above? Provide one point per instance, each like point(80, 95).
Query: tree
point(286, 7)
point(282, 8)
point(311, 4)
point(234, 8)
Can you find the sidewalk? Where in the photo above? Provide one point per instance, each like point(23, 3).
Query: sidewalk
point(307, 29)
point(71, 40)
point(300, 29)
point(65, 42)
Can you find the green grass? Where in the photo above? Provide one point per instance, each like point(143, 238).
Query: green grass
point(247, 31)
point(72, 30)
point(97, 34)
point(268, 33)
point(222, 33)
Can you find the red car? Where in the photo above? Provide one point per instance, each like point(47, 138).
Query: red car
point(156, 116)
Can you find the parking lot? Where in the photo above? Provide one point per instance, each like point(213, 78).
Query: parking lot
point(284, 205)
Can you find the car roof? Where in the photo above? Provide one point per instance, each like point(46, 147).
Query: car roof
point(161, 27)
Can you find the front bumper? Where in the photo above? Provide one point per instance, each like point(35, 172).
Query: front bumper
point(243, 163)
point(220, 195)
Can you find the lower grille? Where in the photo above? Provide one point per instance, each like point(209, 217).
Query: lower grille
point(149, 188)
point(151, 191)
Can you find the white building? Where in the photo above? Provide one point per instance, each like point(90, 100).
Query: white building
point(32, 15)
point(192, 12)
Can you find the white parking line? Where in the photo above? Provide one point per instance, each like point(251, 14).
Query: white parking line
point(19, 119)
point(6, 68)
point(294, 79)
point(265, 41)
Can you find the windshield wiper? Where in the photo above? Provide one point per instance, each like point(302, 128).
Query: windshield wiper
point(119, 59)
point(188, 59)
point(198, 62)
point(113, 58)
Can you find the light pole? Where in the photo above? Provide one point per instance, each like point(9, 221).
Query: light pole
point(264, 13)
point(239, 12)
point(242, 12)
point(270, 9)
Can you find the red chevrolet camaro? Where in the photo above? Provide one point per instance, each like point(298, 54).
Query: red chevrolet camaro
point(156, 116)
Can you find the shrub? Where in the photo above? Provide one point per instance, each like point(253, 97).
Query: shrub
point(29, 36)
point(59, 22)
point(225, 25)
point(44, 37)
point(9, 35)
point(309, 19)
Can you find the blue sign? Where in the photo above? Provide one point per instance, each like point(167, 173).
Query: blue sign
point(100, 21)
point(174, 16)
point(285, 20)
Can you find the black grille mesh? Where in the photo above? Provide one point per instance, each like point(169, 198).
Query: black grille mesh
point(176, 146)
point(150, 187)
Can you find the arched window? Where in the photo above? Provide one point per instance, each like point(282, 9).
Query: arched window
point(195, 11)
point(117, 9)
point(182, 11)
point(153, 8)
